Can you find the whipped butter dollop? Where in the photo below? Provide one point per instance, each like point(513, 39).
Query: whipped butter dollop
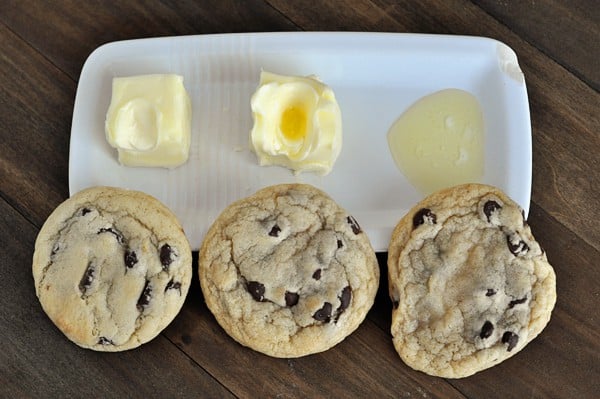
point(297, 123)
point(148, 120)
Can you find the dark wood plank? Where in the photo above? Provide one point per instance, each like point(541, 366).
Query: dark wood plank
point(39, 361)
point(66, 32)
point(35, 113)
point(363, 365)
point(568, 32)
point(44, 45)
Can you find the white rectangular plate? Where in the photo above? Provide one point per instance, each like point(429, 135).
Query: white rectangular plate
point(375, 77)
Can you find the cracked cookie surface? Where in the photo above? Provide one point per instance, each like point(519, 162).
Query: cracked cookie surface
point(469, 284)
point(112, 268)
point(287, 272)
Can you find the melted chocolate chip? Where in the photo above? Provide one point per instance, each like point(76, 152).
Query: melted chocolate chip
point(317, 274)
point(354, 225)
point(340, 244)
point(490, 292)
point(87, 278)
point(511, 339)
point(130, 259)
point(486, 330)
point(145, 297)
point(114, 232)
point(85, 211)
point(515, 245)
point(344, 298)
point(257, 290)
point(275, 231)
point(173, 285)
point(424, 215)
point(323, 314)
point(490, 207)
point(165, 256)
point(105, 341)
point(291, 298)
point(514, 302)
point(395, 304)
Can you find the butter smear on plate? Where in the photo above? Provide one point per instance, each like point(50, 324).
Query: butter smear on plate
point(297, 123)
point(148, 120)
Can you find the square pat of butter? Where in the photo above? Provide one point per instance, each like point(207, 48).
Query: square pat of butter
point(148, 120)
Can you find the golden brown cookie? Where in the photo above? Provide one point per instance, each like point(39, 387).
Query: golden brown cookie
point(469, 283)
point(287, 271)
point(112, 268)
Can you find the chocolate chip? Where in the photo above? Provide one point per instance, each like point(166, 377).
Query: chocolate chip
point(515, 245)
point(323, 314)
point(490, 292)
point(354, 225)
point(130, 259)
point(344, 298)
point(490, 207)
point(340, 244)
point(55, 249)
point(105, 341)
point(257, 290)
point(114, 232)
point(317, 274)
point(145, 297)
point(514, 302)
point(511, 339)
point(173, 285)
point(275, 231)
point(85, 211)
point(291, 298)
point(486, 330)
point(395, 304)
point(87, 278)
point(424, 215)
point(165, 256)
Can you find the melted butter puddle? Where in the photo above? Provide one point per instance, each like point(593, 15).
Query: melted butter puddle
point(438, 141)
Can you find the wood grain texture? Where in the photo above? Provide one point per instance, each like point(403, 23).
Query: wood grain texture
point(560, 30)
point(34, 129)
point(80, 27)
point(39, 361)
point(43, 46)
point(365, 363)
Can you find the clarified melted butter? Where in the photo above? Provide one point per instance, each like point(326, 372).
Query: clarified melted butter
point(439, 141)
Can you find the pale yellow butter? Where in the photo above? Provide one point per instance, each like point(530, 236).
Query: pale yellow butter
point(297, 123)
point(439, 141)
point(148, 120)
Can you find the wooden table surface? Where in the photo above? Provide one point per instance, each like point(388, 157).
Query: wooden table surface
point(43, 45)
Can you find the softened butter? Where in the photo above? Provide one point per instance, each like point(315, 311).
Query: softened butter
point(297, 123)
point(148, 120)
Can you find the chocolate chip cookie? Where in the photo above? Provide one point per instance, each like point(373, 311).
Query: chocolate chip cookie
point(470, 286)
point(112, 268)
point(287, 271)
